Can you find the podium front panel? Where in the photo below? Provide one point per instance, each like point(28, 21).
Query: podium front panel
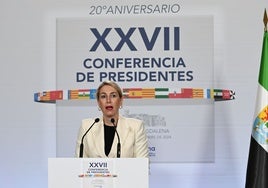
point(98, 173)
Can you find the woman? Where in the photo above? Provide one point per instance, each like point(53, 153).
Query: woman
point(103, 138)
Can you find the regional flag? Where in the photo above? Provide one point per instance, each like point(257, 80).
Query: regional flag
point(92, 94)
point(181, 93)
point(65, 95)
point(45, 96)
point(148, 93)
point(198, 93)
point(208, 93)
point(83, 93)
point(161, 93)
point(73, 94)
point(257, 169)
point(56, 95)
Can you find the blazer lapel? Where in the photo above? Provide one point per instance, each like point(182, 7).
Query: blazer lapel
point(123, 131)
point(99, 139)
point(113, 152)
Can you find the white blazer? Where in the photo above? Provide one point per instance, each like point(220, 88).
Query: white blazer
point(133, 139)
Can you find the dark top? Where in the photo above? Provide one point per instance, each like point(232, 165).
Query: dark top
point(109, 132)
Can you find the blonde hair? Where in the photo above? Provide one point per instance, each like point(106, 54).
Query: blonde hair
point(112, 84)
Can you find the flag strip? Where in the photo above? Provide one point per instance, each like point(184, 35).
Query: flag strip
point(138, 93)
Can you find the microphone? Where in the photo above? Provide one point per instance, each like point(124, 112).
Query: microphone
point(82, 145)
point(118, 144)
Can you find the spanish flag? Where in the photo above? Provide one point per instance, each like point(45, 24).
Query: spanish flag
point(132, 93)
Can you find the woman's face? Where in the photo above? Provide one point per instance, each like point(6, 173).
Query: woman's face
point(109, 101)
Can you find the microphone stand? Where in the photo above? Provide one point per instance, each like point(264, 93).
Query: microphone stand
point(118, 144)
point(82, 145)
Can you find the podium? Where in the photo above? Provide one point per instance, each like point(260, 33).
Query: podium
point(98, 173)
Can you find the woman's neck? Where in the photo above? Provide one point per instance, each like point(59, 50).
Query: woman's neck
point(108, 121)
